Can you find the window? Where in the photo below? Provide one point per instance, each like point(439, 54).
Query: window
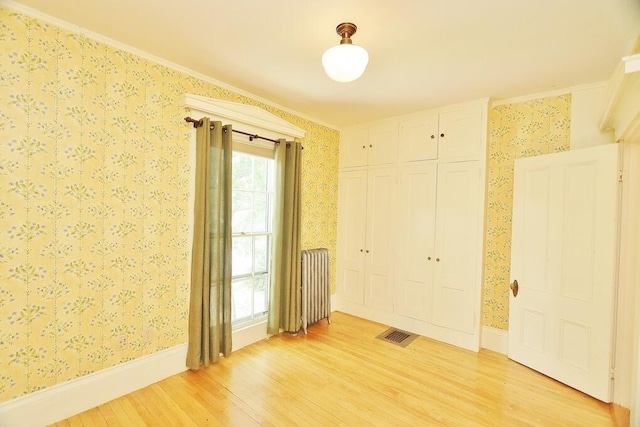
point(252, 202)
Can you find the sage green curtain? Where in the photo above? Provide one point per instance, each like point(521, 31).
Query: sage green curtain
point(210, 303)
point(284, 297)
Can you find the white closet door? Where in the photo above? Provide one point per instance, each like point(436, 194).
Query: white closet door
point(354, 147)
point(383, 144)
point(563, 257)
point(381, 232)
point(351, 232)
point(419, 138)
point(416, 256)
point(456, 251)
point(460, 136)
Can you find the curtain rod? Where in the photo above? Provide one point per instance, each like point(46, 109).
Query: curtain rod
point(198, 123)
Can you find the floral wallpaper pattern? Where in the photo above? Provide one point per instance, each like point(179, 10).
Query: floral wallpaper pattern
point(526, 129)
point(94, 190)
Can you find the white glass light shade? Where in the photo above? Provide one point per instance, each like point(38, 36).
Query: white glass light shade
point(345, 62)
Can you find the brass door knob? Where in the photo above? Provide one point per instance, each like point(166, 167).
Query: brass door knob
point(514, 288)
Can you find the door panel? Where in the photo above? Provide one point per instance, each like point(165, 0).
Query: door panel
point(460, 134)
point(416, 255)
point(419, 138)
point(564, 259)
point(383, 144)
point(353, 211)
point(457, 224)
point(535, 229)
point(579, 232)
point(354, 148)
point(379, 249)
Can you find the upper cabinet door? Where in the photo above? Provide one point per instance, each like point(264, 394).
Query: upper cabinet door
point(460, 134)
point(354, 147)
point(383, 143)
point(419, 138)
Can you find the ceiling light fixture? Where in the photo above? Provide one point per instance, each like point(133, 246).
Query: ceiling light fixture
point(345, 62)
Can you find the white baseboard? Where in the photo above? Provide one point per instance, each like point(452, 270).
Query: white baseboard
point(72, 397)
point(249, 335)
point(495, 339)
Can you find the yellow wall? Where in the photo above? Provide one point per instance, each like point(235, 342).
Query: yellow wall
point(525, 129)
point(94, 173)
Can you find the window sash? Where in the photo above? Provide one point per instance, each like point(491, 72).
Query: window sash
point(246, 285)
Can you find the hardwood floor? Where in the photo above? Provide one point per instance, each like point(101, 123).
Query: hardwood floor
point(339, 374)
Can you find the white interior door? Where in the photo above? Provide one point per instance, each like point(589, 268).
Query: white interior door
point(563, 257)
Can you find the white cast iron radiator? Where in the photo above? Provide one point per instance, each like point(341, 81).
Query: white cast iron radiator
point(316, 290)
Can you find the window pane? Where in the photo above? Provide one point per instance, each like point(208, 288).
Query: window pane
point(242, 173)
point(242, 215)
point(261, 254)
point(241, 256)
point(260, 212)
point(260, 294)
point(260, 174)
point(241, 297)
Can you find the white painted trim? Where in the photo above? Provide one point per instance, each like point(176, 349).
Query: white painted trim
point(248, 335)
point(631, 63)
point(72, 397)
point(10, 4)
point(247, 118)
point(622, 112)
point(495, 339)
point(557, 92)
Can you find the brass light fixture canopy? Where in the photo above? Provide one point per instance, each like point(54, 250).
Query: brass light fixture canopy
point(346, 30)
point(345, 62)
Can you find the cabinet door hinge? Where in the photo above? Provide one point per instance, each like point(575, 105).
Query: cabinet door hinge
point(619, 176)
point(612, 374)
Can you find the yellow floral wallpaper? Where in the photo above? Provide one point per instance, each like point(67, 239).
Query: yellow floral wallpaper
point(526, 129)
point(94, 174)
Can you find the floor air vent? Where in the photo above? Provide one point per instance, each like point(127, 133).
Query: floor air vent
point(397, 337)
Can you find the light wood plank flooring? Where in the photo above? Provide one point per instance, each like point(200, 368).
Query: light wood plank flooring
point(340, 375)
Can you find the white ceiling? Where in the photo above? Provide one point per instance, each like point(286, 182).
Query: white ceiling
point(423, 53)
